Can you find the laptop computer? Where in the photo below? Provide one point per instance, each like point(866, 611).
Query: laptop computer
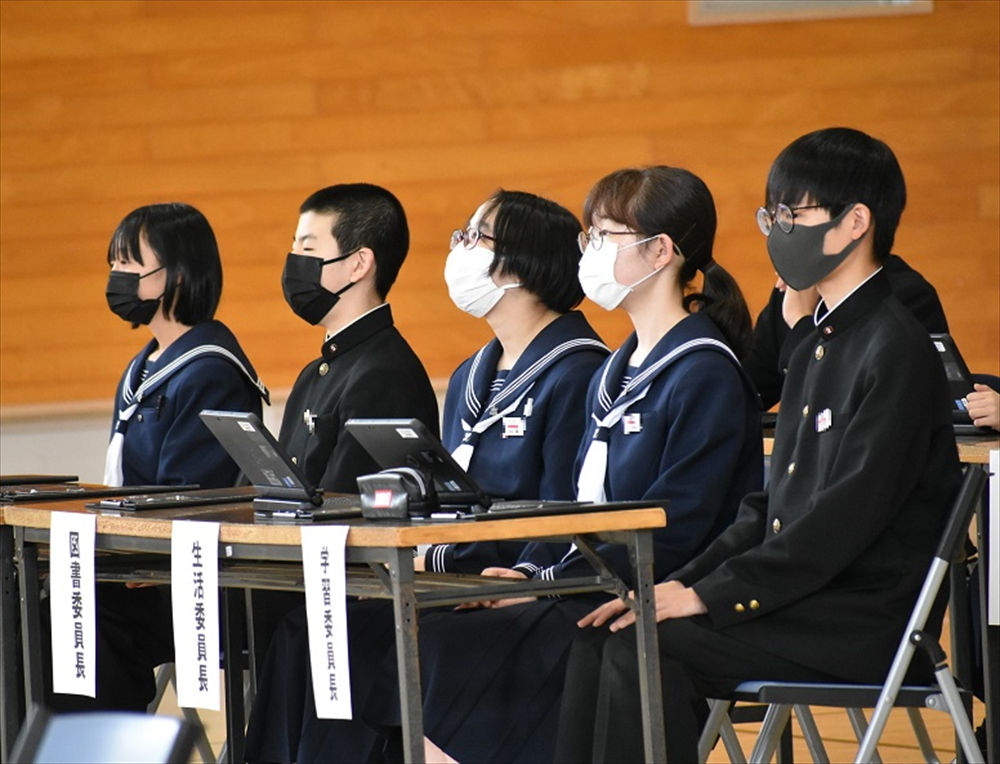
point(959, 384)
point(283, 492)
point(408, 443)
point(138, 502)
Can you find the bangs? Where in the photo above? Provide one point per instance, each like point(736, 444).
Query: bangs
point(124, 245)
point(616, 196)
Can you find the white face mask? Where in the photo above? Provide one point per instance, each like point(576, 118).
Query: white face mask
point(467, 274)
point(597, 274)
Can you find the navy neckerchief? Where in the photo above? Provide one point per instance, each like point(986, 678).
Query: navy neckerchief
point(570, 333)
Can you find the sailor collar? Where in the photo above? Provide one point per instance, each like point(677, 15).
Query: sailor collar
point(356, 332)
point(858, 303)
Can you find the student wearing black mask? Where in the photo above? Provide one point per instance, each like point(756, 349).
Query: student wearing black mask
point(348, 247)
point(166, 275)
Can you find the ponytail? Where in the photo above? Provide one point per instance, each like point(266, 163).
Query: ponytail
point(723, 302)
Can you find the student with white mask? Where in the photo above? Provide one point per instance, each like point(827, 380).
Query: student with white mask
point(513, 410)
point(671, 418)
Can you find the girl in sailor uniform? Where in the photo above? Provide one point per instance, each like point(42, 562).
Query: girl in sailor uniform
point(512, 410)
point(671, 418)
point(165, 274)
point(513, 418)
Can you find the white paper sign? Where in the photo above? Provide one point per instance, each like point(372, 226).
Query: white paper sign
point(73, 601)
point(993, 582)
point(194, 589)
point(326, 619)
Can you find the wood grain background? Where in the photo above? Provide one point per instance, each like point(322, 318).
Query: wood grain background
point(243, 109)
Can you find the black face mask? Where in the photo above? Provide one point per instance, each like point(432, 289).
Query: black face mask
point(122, 294)
point(300, 281)
point(798, 256)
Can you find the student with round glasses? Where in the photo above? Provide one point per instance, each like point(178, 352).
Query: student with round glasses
point(512, 410)
point(784, 321)
point(513, 416)
point(670, 418)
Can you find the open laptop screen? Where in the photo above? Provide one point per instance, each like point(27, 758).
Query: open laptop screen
point(959, 378)
point(259, 455)
point(408, 443)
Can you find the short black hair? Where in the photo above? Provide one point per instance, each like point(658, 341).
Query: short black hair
point(839, 166)
point(185, 245)
point(536, 242)
point(366, 216)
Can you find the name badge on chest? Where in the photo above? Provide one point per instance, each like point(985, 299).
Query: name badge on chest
point(631, 423)
point(824, 420)
point(513, 426)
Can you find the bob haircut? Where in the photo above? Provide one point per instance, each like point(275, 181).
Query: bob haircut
point(185, 245)
point(674, 201)
point(366, 216)
point(536, 242)
point(837, 167)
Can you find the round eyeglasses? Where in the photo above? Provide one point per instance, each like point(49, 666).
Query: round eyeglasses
point(783, 217)
point(596, 236)
point(468, 237)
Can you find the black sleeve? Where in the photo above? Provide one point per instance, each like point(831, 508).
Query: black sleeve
point(763, 363)
point(917, 294)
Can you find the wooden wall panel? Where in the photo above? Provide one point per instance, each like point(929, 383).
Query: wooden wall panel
point(244, 109)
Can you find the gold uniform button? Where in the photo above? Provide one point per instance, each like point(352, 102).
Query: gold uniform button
point(805, 410)
point(295, 460)
point(738, 607)
point(791, 468)
point(138, 417)
point(324, 368)
point(819, 352)
point(754, 605)
point(776, 525)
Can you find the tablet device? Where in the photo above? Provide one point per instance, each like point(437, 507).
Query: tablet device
point(959, 378)
point(36, 479)
point(145, 501)
point(408, 443)
point(280, 485)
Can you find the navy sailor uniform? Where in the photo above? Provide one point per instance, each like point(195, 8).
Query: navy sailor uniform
point(162, 442)
point(519, 442)
point(493, 678)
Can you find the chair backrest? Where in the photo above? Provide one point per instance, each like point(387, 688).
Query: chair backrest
point(103, 737)
point(953, 539)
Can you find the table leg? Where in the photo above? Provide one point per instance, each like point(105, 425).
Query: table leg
point(404, 606)
point(653, 735)
point(11, 701)
point(31, 624)
point(990, 634)
point(233, 620)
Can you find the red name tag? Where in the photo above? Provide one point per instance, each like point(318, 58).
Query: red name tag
point(383, 498)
